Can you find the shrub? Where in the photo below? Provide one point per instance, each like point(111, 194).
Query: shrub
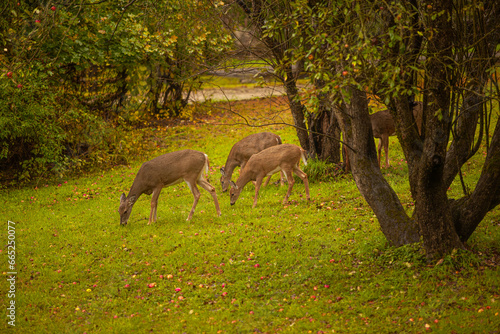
point(318, 170)
point(30, 135)
point(40, 133)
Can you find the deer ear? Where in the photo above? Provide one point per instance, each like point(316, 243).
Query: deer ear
point(123, 198)
point(233, 184)
point(132, 199)
point(222, 171)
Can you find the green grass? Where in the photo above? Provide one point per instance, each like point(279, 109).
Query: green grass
point(305, 267)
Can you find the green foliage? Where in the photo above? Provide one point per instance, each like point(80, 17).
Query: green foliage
point(31, 135)
point(319, 170)
point(40, 134)
point(85, 69)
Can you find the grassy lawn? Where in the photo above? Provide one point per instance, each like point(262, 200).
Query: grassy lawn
point(321, 266)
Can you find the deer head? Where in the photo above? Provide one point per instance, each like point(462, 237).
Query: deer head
point(234, 192)
point(224, 183)
point(125, 208)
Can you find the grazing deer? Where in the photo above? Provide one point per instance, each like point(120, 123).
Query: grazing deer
point(285, 157)
point(243, 150)
point(167, 170)
point(383, 127)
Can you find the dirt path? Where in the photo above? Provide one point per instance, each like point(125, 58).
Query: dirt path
point(231, 94)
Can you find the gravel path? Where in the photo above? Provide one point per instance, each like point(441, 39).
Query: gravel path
point(231, 94)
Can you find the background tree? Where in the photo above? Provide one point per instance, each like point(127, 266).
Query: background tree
point(316, 125)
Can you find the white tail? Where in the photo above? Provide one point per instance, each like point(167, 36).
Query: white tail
point(167, 170)
point(303, 156)
point(243, 150)
point(285, 158)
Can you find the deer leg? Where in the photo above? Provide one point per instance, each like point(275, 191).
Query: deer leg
point(196, 194)
point(282, 177)
point(267, 181)
point(258, 183)
point(379, 150)
point(386, 149)
point(291, 181)
point(154, 205)
point(208, 187)
point(303, 176)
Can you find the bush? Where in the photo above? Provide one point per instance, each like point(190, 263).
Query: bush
point(318, 170)
point(30, 135)
point(41, 134)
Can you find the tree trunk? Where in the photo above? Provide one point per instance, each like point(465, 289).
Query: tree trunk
point(432, 210)
point(324, 129)
point(319, 133)
point(462, 148)
point(297, 109)
point(397, 227)
point(486, 196)
point(324, 136)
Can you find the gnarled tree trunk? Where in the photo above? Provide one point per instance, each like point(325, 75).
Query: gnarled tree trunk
point(398, 228)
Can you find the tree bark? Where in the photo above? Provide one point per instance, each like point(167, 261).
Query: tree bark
point(397, 227)
point(324, 129)
point(462, 148)
point(324, 135)
point(432, 210)
point(470, 211)
point(297, 109)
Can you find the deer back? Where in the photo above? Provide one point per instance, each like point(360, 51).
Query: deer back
point(248, 146)
point(418, 115)
point(269, 159)
point(382, 123)
point(169, 169)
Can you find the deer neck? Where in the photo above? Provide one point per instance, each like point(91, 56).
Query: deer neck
point(135, 191)
point(245, 177)
point(231, 164)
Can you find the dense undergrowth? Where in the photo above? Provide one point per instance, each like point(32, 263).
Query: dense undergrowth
point(313, 266)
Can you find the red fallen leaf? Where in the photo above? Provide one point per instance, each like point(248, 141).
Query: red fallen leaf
point(127, 286)
point(256, 265)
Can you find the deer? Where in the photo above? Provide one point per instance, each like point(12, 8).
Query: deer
point(164, 171)
point(383, 127)
point(243, 150)
point(284, 157)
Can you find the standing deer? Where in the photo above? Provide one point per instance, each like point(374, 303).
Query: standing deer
point(285, 157)
point(383, 127)
point(243, 150)
point(167, 170)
